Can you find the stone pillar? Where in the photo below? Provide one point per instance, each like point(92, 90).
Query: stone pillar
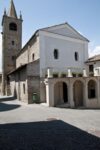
point(86, 94)
point(84, 73)
point(3, 84)
point(43, 92)
point(3, 67)
point(98, 93)
point(49, 93)
point(72, 105)
point(49, 73)
point(95, 73)
point(69, 73)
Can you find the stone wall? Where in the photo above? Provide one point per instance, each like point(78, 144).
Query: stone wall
point(18, 83)
point(33, 73)
point(25, 81)
point(33, 68)
point(26, 54)
point(33, 88)
point(34, 50)
point(22, 59)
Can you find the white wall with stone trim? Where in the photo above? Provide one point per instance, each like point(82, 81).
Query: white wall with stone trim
point(66, 48)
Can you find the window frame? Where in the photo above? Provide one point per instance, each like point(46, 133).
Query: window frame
point(13, 42)
point(33, 57)
point(76, 56)
point(56, 54)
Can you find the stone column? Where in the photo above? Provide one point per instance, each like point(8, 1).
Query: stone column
point(3, 67)
point(3, 84)
point(98, 93)
point(69, 73)
point(86, 94)
point(72, 105)
point(84, 73)
point(49, 93)
point(49, 73)
point(42, 92)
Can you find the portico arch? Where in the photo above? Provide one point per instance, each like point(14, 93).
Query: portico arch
point(60, 93)
point(78, 93)
point(92, 89)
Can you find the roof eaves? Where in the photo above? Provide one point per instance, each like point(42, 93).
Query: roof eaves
point(52, 26)
point(66, 23)
point(89, 61)
point(77, 32)
point(17, 69)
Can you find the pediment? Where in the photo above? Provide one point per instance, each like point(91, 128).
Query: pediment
point(66, 30)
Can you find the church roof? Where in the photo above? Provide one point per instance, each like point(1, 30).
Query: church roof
point(49, 30)
point(12, 10)
point(67, 26)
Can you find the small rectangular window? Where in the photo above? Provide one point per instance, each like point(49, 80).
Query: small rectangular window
point(13, 42)
point(56, 54)
point(13, 57)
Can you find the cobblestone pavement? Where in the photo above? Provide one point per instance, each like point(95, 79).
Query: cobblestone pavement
point(37, 127)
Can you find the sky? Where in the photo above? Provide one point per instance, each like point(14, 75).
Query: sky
point(83, 15)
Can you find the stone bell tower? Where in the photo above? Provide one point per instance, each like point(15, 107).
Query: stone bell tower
point(11, 43)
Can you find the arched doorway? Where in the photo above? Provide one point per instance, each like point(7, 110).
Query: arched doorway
point(60, 93)
point(91, 89)
point(78, 93)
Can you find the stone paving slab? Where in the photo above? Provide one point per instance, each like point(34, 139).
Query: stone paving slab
point(37, 127)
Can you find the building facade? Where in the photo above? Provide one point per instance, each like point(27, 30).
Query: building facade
point(52, 67)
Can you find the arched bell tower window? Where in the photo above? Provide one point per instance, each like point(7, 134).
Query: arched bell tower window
point(13, 26)
point(56, 54)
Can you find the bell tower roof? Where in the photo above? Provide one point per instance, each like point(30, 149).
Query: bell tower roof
point(12, 10)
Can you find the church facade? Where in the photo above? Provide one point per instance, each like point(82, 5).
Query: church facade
point(52, 68)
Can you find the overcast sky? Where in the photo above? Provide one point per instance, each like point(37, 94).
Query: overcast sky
point(83, 15)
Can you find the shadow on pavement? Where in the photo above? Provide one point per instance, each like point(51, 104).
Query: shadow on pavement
point(7, 98)
point(47, 135)
point(7, 107)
